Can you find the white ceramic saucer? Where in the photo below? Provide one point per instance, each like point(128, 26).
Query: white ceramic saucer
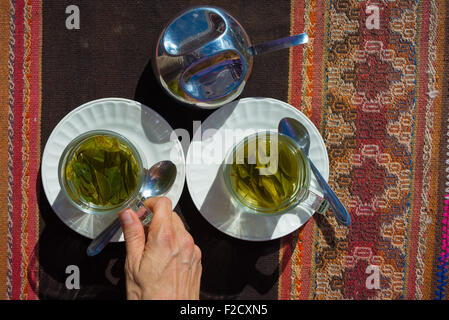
point(145, 128)
point(219, 132)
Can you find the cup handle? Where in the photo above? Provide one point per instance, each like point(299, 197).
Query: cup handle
point(144, 213)
point(315, 202)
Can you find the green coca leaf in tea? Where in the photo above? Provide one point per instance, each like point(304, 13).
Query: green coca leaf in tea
point(269, 174)
point(103, 171)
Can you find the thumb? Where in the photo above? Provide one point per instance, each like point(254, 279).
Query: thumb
point(134, 236)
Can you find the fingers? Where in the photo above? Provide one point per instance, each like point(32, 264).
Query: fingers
point(161, 228)
point(162, 210)
point(134, 236)
point(169, 240)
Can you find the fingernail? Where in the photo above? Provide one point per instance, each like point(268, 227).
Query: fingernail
point(126, 217)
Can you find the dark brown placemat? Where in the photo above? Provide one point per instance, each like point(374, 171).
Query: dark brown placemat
point(109, 56)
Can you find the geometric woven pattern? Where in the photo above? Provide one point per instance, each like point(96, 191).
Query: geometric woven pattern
point(376, 94)
point(374, 79)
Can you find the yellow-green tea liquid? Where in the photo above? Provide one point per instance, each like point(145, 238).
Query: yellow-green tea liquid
point(266, 175)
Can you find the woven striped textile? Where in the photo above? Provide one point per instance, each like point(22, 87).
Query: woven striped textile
point(379, 97)
point(376, 89)
point(20, 94)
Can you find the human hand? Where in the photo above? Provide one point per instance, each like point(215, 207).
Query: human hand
point(168, 264)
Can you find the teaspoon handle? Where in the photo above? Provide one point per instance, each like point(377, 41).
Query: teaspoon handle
point(103, 238)
point(279, 44)
point(339, 210)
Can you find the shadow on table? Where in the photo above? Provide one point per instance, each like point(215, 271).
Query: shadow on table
point(326, 229)
point(150, 93)
point(230, 264)
point(101, 277)
point(232, 268)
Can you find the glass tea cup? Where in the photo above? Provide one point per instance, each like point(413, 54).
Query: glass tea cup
point(77, 198)
point(268, 174)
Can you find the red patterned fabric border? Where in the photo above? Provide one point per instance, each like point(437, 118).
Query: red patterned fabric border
point(378, 93)
point(372, 91)
point(24, 146)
